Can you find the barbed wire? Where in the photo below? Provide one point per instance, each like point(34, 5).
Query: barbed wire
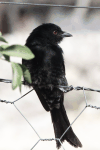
point(49, 5)
point(68, 88)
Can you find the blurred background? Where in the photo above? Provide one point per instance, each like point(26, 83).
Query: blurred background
point(82, 59)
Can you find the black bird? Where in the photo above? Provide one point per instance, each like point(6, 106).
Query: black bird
point(48, 75)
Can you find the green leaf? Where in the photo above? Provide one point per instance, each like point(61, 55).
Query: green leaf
point(17, 75)
point(0, 51)
point(0, 34)
point(26, 74)
point(0, 55)
point(7, 58)
point(20, 87)
point(1, 48)
point(4, 46)
point(2, 39)
point(18, 51)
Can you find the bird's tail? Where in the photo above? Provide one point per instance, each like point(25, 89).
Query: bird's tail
point(61, 123)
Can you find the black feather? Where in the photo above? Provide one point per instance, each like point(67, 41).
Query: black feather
point(48, 73)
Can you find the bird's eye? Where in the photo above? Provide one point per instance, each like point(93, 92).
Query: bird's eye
point(55, 32)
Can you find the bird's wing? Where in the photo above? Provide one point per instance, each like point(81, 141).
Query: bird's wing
point(63, 86)
point(63, 81)
point(41, 98)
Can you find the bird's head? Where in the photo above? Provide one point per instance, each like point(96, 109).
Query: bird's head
point(49, 33)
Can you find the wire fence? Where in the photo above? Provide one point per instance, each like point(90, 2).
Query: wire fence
point(68, 88)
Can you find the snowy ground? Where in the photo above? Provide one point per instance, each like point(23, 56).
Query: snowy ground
point(82, 58)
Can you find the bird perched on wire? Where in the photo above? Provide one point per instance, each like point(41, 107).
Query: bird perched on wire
point(48, 77)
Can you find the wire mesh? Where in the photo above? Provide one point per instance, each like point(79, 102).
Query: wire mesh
point(68, 89)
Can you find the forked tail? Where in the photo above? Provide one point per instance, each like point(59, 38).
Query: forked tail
point(61, 123)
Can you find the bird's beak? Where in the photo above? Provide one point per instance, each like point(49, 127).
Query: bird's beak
point(65, 34)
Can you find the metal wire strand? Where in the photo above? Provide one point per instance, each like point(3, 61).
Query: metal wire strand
point(68, 88)
point(26, 120)
point(72, 123)
point(48, 5)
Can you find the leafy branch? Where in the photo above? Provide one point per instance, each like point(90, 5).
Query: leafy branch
point(19, 70)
